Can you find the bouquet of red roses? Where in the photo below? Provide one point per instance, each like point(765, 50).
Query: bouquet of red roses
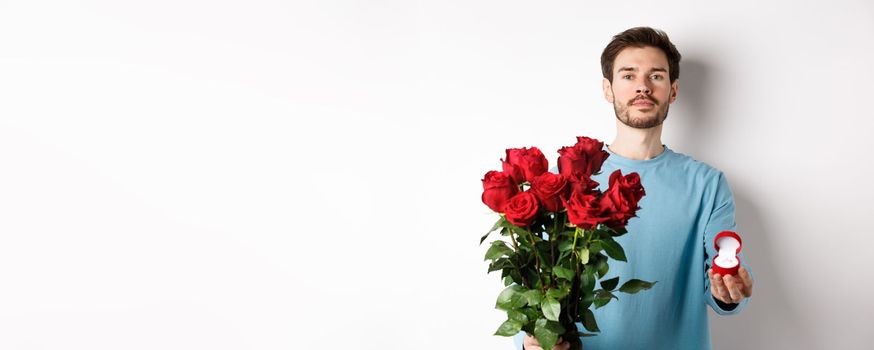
point(561, 232)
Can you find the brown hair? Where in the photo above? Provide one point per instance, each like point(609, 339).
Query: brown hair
point(640, 37)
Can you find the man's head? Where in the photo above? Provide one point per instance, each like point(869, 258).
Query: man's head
point(641, 69)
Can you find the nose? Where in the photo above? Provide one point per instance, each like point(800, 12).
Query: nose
point(643, 88)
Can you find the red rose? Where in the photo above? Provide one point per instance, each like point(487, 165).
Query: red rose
point(549, 188)
point(498, 188)
point(583, 210)
point(514, 172)
point(586, 157)
point(521, 209)
point(621, 199)
point(579, 182)
point(524, 164)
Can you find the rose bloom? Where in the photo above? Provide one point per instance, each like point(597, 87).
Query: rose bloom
point(583, 210)
point(585, 157)
point(524, 164)
point(548, 188)
point(620, 201)
point(498, 188)
point(521, 209)
point(579, 182)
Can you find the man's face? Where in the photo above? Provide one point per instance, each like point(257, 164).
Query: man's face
point(641, 89)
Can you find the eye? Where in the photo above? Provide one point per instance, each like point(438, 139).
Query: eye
point(657, 77)
point(626, 76)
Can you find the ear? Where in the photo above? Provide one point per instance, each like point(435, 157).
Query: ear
point(608, 91)
point(675, 89)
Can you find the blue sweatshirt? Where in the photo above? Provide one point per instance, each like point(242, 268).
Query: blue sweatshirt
point(687, 203)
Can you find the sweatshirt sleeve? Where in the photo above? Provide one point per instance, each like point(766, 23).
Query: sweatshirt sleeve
point(518, 339)
point(721, 219)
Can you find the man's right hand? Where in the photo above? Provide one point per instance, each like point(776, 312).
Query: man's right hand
point(531, 343)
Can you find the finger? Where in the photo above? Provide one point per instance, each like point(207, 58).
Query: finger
point(733, 289)
point(531, 343)
point(717, 288)
point(747, 280)
point(714, 287)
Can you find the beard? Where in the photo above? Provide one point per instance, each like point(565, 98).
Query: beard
point(643, 120)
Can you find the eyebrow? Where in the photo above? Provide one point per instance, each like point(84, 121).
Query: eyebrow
point(634, 69)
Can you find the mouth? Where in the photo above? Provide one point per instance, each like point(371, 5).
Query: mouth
point(643, 103)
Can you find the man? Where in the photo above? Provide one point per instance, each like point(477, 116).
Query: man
point(687, 203)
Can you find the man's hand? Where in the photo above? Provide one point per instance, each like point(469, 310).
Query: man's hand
point(531, 343)
point(731, 289)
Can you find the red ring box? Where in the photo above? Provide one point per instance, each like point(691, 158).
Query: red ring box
point(727, 263)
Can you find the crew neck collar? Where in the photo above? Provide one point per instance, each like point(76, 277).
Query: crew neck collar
point(627, 162)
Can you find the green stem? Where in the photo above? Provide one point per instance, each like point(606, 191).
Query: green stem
point(535, 251)
point(518, 267)
point(576, 233)
point(552, 240)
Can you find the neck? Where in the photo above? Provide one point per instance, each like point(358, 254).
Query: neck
point(637, 144)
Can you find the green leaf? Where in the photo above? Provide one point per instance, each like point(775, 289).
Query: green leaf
point(636, 285)
point(557, 293)
point(508, 281)
point(551, 308)
point(481, 240)
point(514, 274)
point(508, 297)
point(497, 250)
point(610, 284)
point(534, 297)
point(555, 327)
point(509, 328)
point(588, 318)
point(614, 250)
point(500, 264)
point(602, 266)
point(595, 247)
point(563, 272)
point(619, 232)
point(587, 282)
point(517, 316)
point(563, 255)
point(545, 336)
point(587, 300)
point(602, 297)
point(495, 227)
point(519, 300)
point(584, 255)
point(565, 245)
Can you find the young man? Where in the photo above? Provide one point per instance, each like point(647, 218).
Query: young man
point(687, 203)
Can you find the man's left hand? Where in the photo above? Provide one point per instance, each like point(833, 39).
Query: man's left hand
point(731, 289)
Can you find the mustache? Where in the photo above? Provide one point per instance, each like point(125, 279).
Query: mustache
point(651, 100)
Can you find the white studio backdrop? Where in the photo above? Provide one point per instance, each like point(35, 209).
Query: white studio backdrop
point(306, 175)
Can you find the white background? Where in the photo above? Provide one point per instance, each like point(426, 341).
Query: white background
point(290, 175)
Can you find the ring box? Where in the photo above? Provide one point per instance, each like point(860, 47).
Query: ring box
point(726, 262)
